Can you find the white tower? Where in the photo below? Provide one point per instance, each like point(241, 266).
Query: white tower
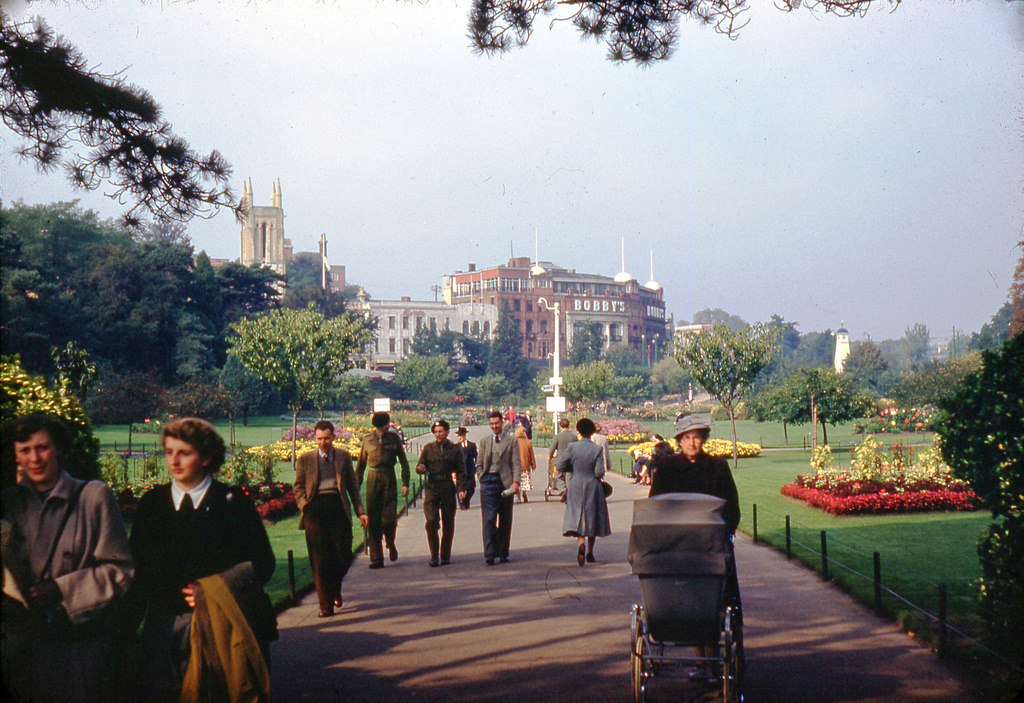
point(842, 348)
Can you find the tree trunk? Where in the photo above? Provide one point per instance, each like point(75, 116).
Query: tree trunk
point(824, 432)
point(295, 425)
point(735, 449)
point(130, 426)
point(785, 433)
point(814, 424)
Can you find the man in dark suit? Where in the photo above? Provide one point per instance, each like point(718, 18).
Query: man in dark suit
point(468, 452)
point(326, 491)
point(498, 468)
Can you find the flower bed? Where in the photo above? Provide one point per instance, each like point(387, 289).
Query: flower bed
point(620, 431)
point(714, 447)
point(875, 483)
point(896, 420)
point(883, 501)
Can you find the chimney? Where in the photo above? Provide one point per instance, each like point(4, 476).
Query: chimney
point(472, 268)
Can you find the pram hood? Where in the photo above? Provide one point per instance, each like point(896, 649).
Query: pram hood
point(680, 534)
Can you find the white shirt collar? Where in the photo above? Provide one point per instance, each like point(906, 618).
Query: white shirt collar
point(197, 493)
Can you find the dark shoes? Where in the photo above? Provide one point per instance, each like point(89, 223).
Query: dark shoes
point(434, 561)
point(490, 561)
point(376, 564)
point(590, 559)
point(504, 560)
point(337, 602)
point(325, 613)
point(393, 553)
point(581, 555)
point(445, 562)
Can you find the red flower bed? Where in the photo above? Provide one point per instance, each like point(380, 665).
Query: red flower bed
point(882, 501)
point(278, 508)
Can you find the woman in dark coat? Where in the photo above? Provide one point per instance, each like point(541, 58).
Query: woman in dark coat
point(586, 510)
point(189, 529)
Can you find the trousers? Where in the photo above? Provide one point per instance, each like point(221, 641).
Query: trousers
point(439, 510)
point(496, 510)
point(382, 509)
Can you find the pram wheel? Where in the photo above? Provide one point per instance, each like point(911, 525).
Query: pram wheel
point(639, 674)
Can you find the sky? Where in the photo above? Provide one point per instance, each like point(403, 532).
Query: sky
point(864, 171)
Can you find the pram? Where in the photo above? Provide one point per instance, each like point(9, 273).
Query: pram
point(681, 550)
point(556, 483)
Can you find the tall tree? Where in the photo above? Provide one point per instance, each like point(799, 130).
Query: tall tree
point(299, 352)
point(585, 344)
point(506, 357)
point(489, 388)
point(718, 316)
point(667, 376)
point(247, 393)
point(425, 377)
point(982, 430)
point(589, 382)
point(726, 363)
point(828, 398)
point(916, 341)
point(816, 349)
point(865, 364)
point(248, 290)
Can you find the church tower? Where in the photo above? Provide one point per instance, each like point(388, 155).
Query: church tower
point(262, 239)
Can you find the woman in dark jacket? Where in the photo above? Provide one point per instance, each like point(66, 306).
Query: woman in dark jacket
point(189, 529)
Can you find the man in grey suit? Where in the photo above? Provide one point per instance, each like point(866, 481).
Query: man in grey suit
point(497, 469)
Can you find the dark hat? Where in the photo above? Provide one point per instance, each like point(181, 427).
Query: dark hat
point(692, 422)
point(380, 419)
point(439, 423)
point(462, 430)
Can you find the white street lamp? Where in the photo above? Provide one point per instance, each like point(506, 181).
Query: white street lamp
point(556, 377)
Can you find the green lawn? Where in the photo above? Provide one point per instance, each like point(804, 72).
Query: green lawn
point(918, 551)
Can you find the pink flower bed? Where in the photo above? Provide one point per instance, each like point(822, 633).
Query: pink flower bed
point(278, 508)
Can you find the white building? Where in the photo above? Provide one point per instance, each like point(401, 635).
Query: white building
point(398, 321)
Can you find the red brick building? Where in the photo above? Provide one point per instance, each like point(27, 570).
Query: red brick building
point(626, 311)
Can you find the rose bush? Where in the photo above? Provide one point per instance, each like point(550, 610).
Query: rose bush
point(895, 420)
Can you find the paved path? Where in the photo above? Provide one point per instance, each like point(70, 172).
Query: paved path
point(540, 628)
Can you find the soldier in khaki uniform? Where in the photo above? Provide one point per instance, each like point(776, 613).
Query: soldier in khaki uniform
point(441, 462)
point(379, 451)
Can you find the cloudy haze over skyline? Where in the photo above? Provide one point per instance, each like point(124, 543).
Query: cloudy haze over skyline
point(860, 170)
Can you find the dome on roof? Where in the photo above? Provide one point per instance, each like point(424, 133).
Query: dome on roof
point(842, 330)
point(653, 285)
point(537, 270)
point(623, 277)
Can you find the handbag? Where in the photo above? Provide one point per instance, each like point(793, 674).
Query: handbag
point(607, 488)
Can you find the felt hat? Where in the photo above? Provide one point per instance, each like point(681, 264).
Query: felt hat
point(692, 422)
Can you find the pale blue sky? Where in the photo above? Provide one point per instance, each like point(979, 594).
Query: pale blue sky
point(866, 170)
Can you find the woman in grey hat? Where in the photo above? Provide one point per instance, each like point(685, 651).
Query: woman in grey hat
point(693, 470)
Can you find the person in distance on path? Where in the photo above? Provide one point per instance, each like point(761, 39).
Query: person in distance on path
point(467, 450)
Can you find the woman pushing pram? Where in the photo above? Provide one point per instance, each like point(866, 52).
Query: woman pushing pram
point(681, 550)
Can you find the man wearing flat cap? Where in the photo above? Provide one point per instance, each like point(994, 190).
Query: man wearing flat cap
point(693, 470)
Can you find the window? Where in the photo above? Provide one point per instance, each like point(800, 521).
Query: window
point(543, 326)
point(391, 345)
point(405, 322)
point(405, 347)
point(487, 329)
point(529, 327)
point(476, 328)
point(516, 305)
point(465, 327)
point(433, 324)
point(529, 306)
point(391, 322)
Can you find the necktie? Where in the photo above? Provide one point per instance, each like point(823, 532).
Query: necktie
point(186, 503)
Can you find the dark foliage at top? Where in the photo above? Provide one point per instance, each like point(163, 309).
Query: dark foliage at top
point(642, 31)
point(50, 97)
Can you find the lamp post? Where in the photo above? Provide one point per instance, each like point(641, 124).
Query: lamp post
point(556, 361)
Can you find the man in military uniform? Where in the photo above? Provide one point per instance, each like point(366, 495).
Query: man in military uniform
point(441, 463)
point(379, 451)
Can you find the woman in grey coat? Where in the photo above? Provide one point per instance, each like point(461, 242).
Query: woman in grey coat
point(586, 510)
